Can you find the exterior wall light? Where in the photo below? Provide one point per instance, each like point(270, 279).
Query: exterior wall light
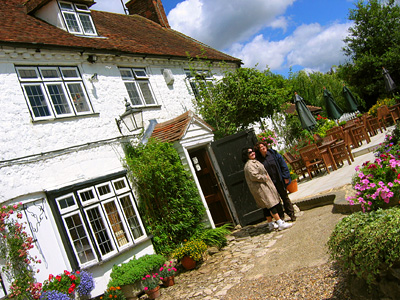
point(132, 118)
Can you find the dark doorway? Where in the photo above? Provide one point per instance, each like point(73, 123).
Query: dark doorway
point(210, 186)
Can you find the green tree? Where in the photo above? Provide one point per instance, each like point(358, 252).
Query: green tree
point(373, 42)
point(169, 201)
point(240, 98)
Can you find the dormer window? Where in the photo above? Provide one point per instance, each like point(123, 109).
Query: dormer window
point(77, 18)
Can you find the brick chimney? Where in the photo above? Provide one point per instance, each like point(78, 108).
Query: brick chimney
point(150, 9)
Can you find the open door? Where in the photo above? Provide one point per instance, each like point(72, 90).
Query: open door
point(211, 188)
point(228, 152)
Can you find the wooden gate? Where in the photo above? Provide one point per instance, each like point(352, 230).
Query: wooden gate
point(228, 152)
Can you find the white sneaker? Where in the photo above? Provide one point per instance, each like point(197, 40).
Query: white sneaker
point(272, 226)
point(283, 225)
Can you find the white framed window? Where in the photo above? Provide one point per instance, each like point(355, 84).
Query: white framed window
point(198, 79)
point(54, 92)
point(77, 18)
point(138, 86)
point(99, 223)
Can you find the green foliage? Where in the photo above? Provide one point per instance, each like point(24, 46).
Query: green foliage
point(241, 98)
point(373, 43)
point(134, 270)
point(193, 249)
point(214, 237)
point(387, 101)
point(310, 87)
point(169, 201)
point(323, 124)
point(367, 244)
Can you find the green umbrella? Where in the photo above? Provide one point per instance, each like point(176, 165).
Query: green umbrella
point(351, 102)
point(306, 118)
point(333, 110)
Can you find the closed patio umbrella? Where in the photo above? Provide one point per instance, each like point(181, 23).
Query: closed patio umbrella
point(389, 83)
point(306, 118)
point(351, 102)
point(332, 109)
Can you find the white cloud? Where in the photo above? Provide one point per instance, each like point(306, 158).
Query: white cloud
point(224, 22)
point(310, 46)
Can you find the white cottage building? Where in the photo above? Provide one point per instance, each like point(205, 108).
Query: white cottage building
point(65, 71)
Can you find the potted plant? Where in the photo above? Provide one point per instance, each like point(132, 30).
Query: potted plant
point(167, 274)
point(292, 187)
point(65, 283)
point(113, 292)
point(190, 253)
point(128, 275)
point(268, 136)
point(151, 285)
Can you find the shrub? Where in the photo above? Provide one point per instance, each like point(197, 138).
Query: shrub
point(367, 244)
point(169, 201)
point(135, 269)
point(214, 237)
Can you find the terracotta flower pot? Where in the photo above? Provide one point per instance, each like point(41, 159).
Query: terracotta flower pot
point(154, 293)
point(292, 187)
point(168, 281)
point(188, 263)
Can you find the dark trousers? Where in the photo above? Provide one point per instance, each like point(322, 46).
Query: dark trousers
point(269, 211)
point(287, 204)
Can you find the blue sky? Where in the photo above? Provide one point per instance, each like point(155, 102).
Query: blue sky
point(279, 34)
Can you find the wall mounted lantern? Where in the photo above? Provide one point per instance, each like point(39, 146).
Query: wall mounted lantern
point(132, 118)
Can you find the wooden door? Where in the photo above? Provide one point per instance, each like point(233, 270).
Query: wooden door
point(228, 152)
point(210, 187)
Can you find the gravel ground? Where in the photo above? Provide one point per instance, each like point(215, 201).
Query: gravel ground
point(322, 282)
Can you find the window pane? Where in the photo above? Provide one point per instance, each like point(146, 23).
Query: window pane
point(79, 238)
point(66, 202)
point(119, 184)
point(116, 223)
point(104, 190)
point(126, 74)
point(133, 93)
point(78, 97)
point(99, 231)
point(27, 74)
point(140, 73)
point(145, 88)
point(58, 98)
point(72, 22)
point(87, 195)
point(37, 100)
point(131, 216)
point(67, 6)
point(86, 24)
point(49, 73)
point(70, 73)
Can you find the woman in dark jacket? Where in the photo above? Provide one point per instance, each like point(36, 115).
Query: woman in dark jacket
point(279, 172)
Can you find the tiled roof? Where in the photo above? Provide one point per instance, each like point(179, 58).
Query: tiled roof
point(313, 109)
point(121, 34)
point(174, 129)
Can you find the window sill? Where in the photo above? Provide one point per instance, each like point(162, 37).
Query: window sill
point(147, 107)
point(149, 237)
point(52, 120)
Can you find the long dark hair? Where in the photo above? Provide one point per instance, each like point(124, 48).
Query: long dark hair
point(245, 154)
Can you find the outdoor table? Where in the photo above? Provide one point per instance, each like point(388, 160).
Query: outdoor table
point(327, 154)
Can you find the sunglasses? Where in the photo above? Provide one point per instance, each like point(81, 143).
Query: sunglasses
point(250, 152)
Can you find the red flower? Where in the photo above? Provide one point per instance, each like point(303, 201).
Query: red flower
point(66, 272)
point(73, 277)
point(58, 277)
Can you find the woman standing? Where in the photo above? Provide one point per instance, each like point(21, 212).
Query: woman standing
point(262, 188)
point(279, 172)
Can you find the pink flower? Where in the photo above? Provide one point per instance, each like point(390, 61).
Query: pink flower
point(146, 288)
